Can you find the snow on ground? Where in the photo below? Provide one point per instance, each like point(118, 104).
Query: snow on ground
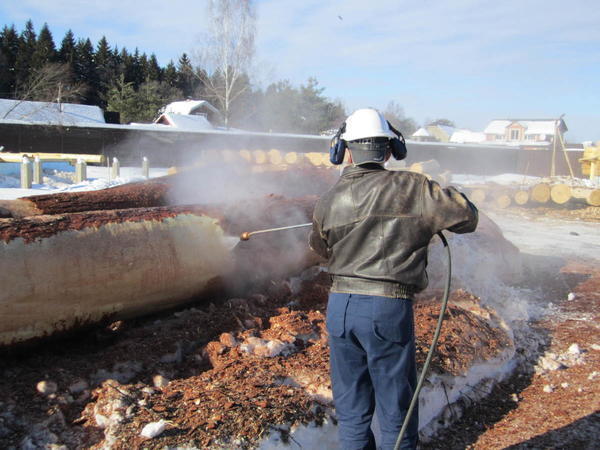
point(58, 177)
point(551, 236)
point(512, 179)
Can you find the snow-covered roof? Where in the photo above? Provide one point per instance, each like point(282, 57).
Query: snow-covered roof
point(189, 107)
point(539, 126)
point(185, 122)
point(467, 136)
point(48, 113)
point(497, 126)
point(421, 132)
point(532, 126)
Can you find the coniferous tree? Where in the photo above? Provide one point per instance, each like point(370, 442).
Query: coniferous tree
point(9, 48)
point(185, 76)
point(143, 68)
point(126, 66)
point(66, 52)
point(84, 69)
point(136, 69)
point(45, 50)
point(105, 69)
point(27, 41)
point(154, 72)
point(170, 76)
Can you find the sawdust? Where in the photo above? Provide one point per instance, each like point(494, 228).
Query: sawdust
point(220, 393)
point(535, 408)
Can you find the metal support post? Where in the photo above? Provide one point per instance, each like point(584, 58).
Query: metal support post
point(26, 173)
point(80, 171)
point(37, 171)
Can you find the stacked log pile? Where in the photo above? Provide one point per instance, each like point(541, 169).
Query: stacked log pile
point(542, 193)
point(546, 192)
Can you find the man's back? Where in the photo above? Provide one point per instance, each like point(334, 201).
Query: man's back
point(376, 224)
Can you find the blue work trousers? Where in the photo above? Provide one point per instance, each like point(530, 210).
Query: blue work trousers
point(372, 352)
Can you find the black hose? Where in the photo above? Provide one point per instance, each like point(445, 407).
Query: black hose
point(436, 336)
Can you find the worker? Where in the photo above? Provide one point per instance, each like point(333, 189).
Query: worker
point(374, 227)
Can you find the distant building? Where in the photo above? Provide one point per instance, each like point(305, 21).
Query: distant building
point(422, 135)
point(433, 133)
point(464, 136)
point(193, 108)
point(538, 132)
point(49, 113)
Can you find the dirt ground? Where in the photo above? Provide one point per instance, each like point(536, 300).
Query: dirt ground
point(228, 371)
point(219, 375)
point(552, 405)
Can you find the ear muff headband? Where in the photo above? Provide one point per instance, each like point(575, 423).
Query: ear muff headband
point(397, 145)
point(337, 147)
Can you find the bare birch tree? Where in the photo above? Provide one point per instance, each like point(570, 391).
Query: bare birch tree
point(227, 52)
point(52, 84)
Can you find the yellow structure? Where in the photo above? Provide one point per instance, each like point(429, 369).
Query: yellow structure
point(590, 163)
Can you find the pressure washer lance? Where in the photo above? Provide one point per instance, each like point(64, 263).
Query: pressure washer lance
point(246, 234)
point(415, 398)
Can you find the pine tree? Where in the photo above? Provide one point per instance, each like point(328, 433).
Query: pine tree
point(9, 48)
point(105, 69)
point(143, 68)
point(185, 76)
point(136, 69)
point(154, 72)
point(170, 76)
point(27, 41)
point(66, 53)
point(85, 70)
point(45, 50)
point(127, 66)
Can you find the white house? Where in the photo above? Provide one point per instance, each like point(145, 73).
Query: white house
point(524, 131)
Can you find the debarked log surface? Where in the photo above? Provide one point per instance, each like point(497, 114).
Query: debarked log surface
point(59, 272)
point(63, 271)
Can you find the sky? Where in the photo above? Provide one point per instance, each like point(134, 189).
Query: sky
point(465, 60)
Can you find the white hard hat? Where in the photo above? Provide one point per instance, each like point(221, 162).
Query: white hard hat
point(366, 123)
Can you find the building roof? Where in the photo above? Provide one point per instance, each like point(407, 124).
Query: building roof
point(48, 113)
point(532, 126)
point(465, 136)
point(497, 126)
point(421, 132)
point(185, 122)
point(189, 107)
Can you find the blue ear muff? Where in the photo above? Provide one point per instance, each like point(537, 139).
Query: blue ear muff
point(337, 147)
point(397, 145)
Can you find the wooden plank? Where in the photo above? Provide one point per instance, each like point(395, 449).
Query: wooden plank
point(18, 157)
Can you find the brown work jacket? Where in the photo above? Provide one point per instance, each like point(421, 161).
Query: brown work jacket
point(375, 225)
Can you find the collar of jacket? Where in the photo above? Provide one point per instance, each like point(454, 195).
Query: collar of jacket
point(353, 170)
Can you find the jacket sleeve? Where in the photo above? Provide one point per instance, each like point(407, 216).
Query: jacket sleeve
point(316, 240)
point(448, 209)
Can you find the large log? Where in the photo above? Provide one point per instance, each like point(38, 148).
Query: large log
point(521, 197)
point(60, 272)
point(560, 193)
point(182, 188)
point(587, 195)
point(540, 193)
point(71, 270)
point(133, 195)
